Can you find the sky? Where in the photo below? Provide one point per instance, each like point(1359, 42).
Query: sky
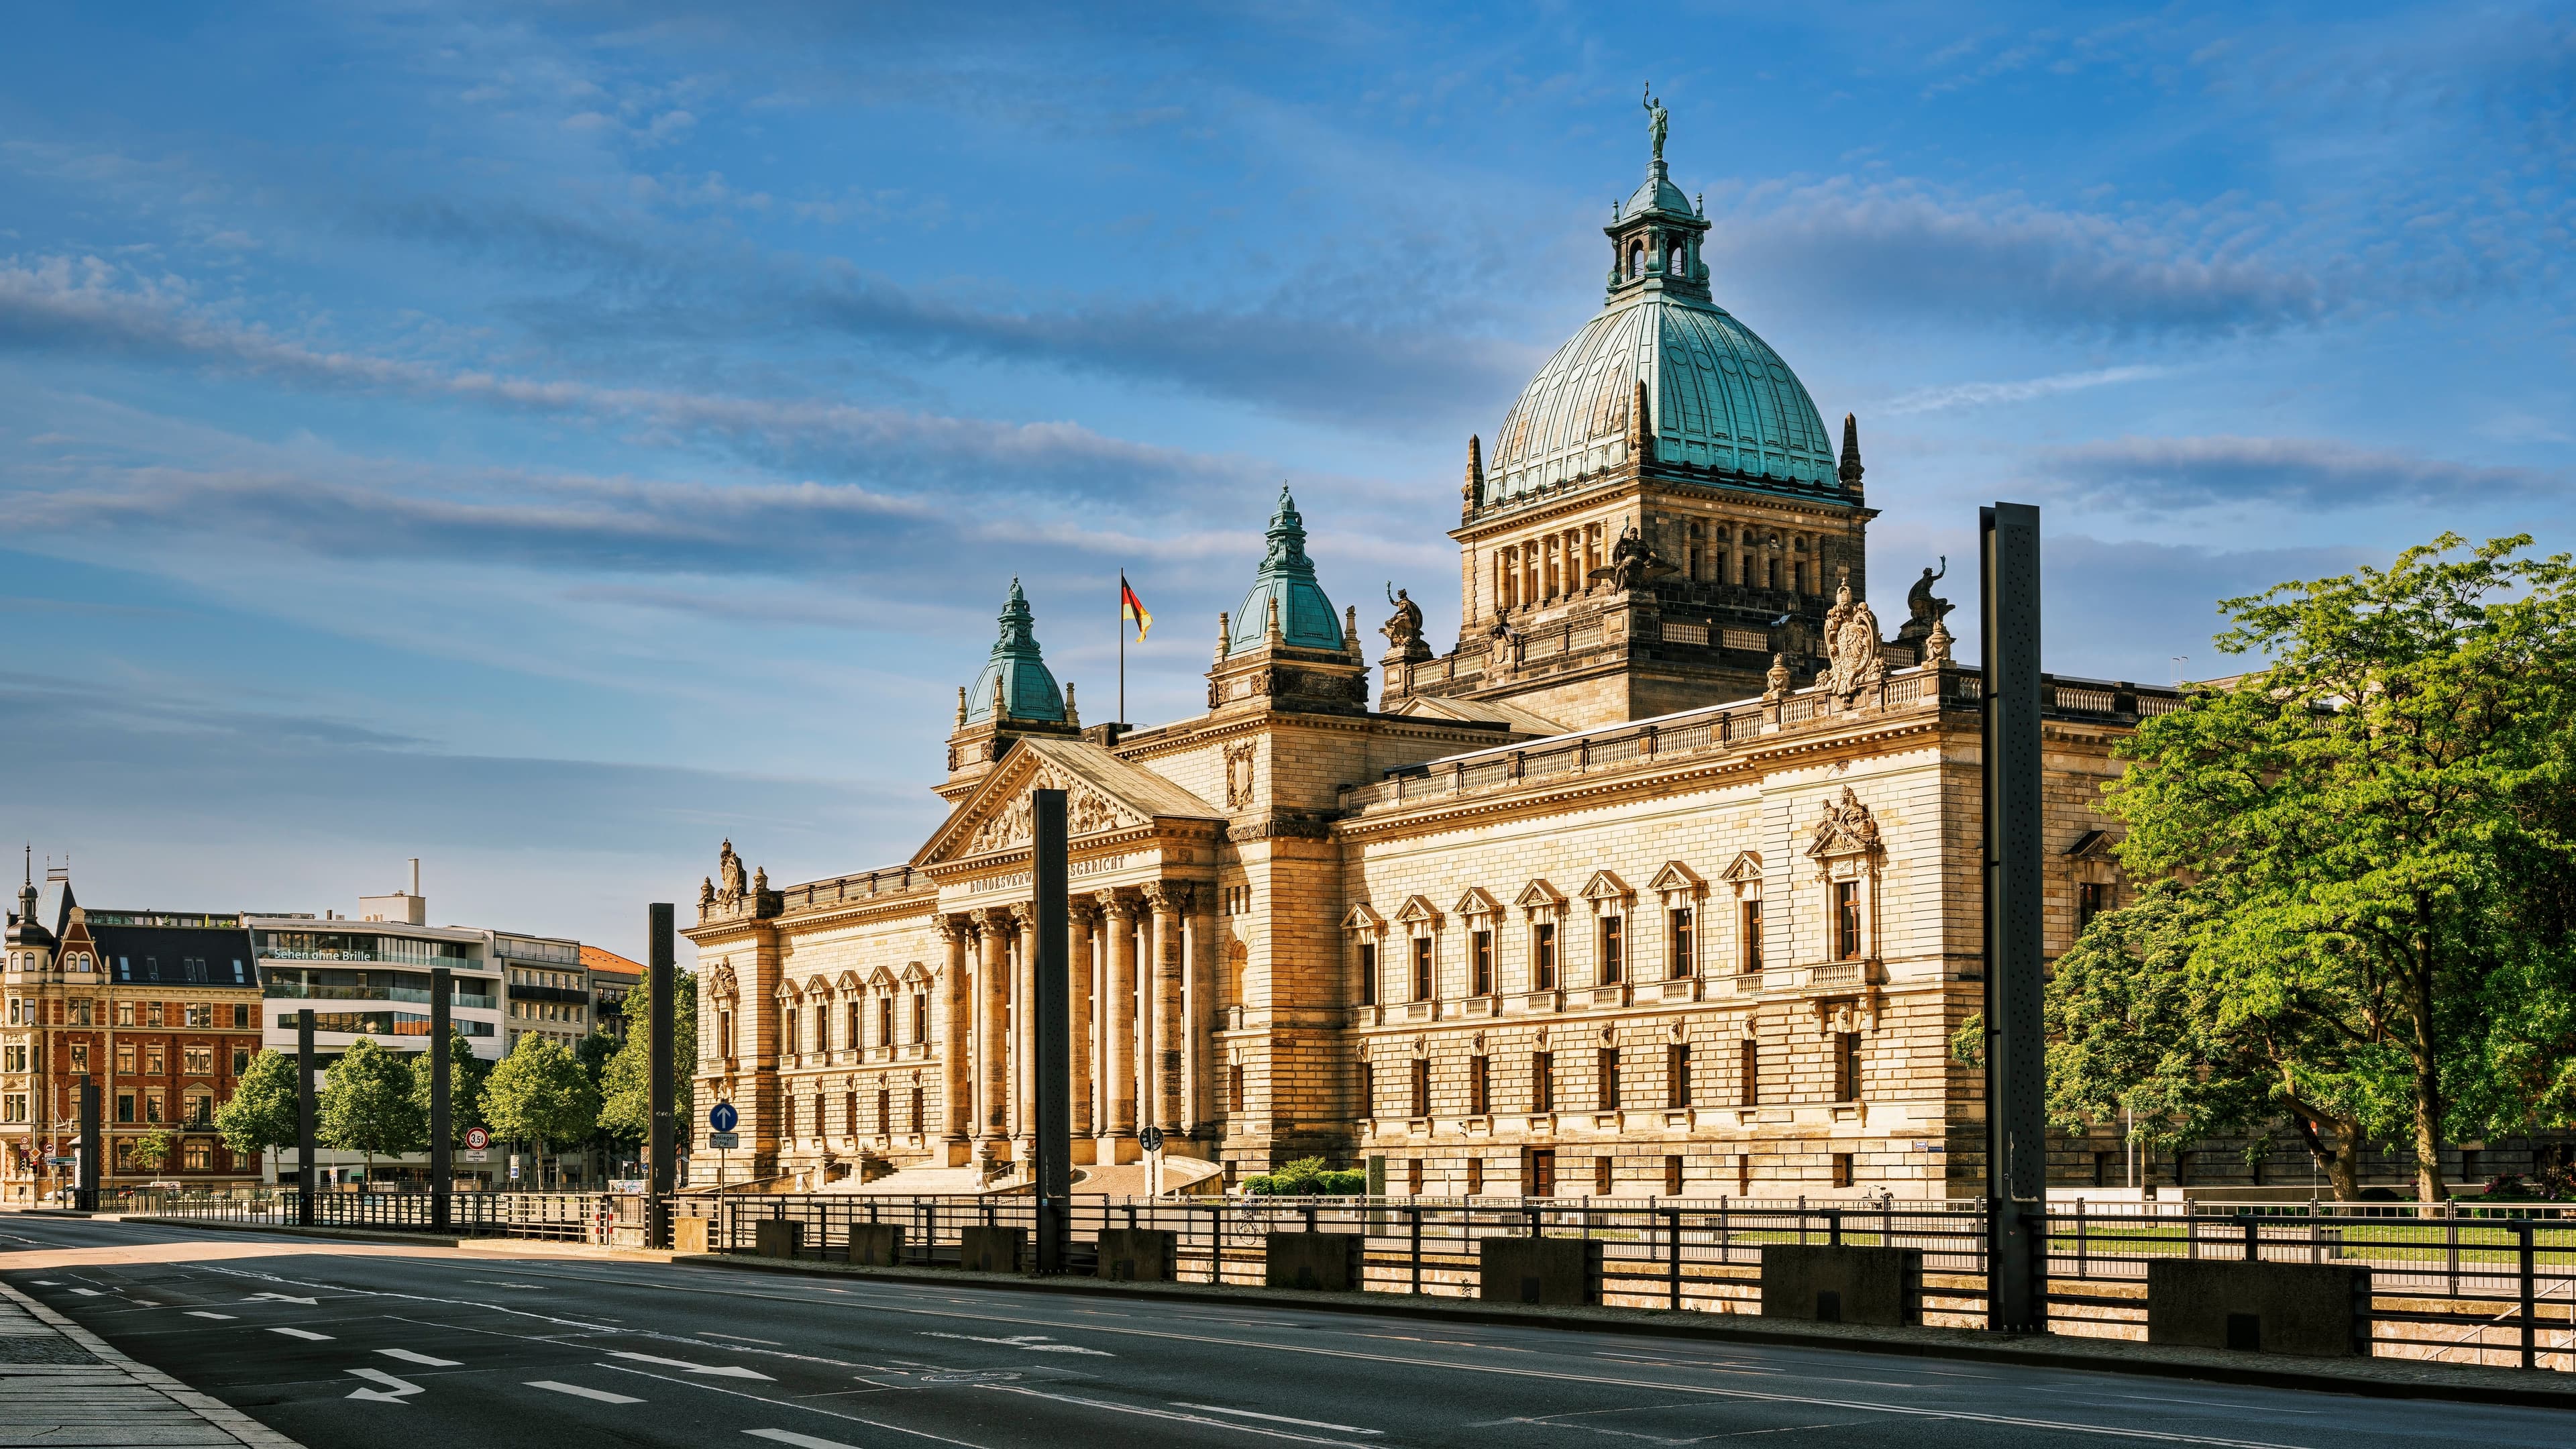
point(549, 439)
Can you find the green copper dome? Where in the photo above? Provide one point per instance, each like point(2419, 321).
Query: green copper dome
point(1028, 690)
point(1306, 619)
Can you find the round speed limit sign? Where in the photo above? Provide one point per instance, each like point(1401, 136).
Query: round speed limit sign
point(478, 1138)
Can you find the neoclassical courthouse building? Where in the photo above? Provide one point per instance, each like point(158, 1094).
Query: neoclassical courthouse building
point(1661, 879)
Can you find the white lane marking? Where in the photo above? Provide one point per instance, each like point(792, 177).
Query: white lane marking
point(47, 1282)
point(722, 1371)
point(801, 1441)
point(1165, 1414)
point(305, 1333)
point(281, 1298)
point(2214, 1404)
point(1275, 1418)
point(1032, 1342)
point(578, 1392)
point(742, 1338)
point(394, 1391)
point(87, 1292)
point(789, 1404)
point(424, 1360)
point(202, 1313)
point(147, 1303)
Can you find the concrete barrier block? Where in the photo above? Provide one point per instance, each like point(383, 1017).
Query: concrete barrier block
point(1559, 1271)
point(1882, 1287)
point(688, 1235)
point(777, 1238)
point(1325, 1262)
point(876, 1245)
point(2313, 1310)
point(992, 1250)
point(1138, 1255)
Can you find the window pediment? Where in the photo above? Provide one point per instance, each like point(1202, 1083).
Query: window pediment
point(1478, 901)
point(1844, 827)
point(1677, 879)
point(1418, 911)
point(1538, 895)
point(1606, 889)
point(1362, 918)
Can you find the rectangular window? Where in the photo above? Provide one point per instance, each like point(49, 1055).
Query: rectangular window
point(1677, 1082)
point(1608, 1085)
point(724, 1033)
point(1479, 1098)
point(201, 1061)
point(1846, 920)
point(2102, 1169)
point(2092, 898)
point(1847, 1067)
point(1602, 1175)
point(885, 1023)
point(1484, 954)
point(1672, 1176)
point(1234, 1088)
point(152, 1013)
point(125, 1157)
point(1613, 951)
point(1421, 1087)
point(885, 1111)
point(125, 1013)
point(80, 1058)
point(1842, 1169)
point(13, 1058)
point(1475, 1176)
point(1748, 1074)
point(125, 1106)
point(13, 1108)
point(787, 1039)
point(198, 1155)
point(1422, 968)
point(1543, 956)
point(920, 1017)
point(241, 1013)
point(152, 1107)
point(1751, 956)
point(850, 1025)
point(1685, 959)
point(155, 1059)
point(1743, 1174)
point(1413, 1176)
point(1543, 1082)
point(1542, 1173)
point(916, 1110)
point(201, 1015)
point(201, 1111)
point(1368, 1089)
point(1368, 973)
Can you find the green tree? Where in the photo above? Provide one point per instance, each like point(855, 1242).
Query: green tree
point(626, 1107)
point(152, 1150)
point(2373, 828)
point(540, 1094)
point(367, 1107)
point(466, 1074)
point(260, 1115)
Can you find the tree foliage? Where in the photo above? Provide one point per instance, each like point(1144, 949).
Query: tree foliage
point(466, 1074)
point(260, 1114)
point(540, 1094)
point(2373, 867)
point(625, 1111)
point(152, 1150)
point(367, 1106)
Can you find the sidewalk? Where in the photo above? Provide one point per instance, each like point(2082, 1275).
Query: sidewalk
point(60, 1384)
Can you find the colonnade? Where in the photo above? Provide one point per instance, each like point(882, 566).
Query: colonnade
point(1146, 981)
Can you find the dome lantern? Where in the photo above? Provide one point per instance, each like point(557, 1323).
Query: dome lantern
point(1286, 584)
point(1015, 684)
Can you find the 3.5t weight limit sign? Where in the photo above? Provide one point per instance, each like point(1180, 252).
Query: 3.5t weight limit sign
point(478, 1138)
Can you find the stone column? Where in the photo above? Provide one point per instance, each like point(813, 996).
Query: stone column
point(1198, 1034)
point(1082, 919)
point(1024, 1029)
point(956, 1110)
point(1170, 900)
point(992, 991)
point(1118, 1014)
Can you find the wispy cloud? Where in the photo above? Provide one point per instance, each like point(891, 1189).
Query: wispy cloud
point(1981, 394)
point(2194, 472)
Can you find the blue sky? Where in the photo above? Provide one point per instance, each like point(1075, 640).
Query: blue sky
point(547, 439)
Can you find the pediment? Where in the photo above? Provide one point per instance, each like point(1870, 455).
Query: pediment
point(915, 973)
point(2094, 845)
point(1746, 869)
point(1539, 895)
point(881, 980)
point(1605, 885)
point(1362, 918)
point(1844, 827)
point(1675, 879)
point(1103, 794)
point(1419, 910)
point(849, 981)
point(1478, 901)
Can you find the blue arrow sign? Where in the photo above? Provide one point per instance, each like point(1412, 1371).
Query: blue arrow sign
point(722, 1117)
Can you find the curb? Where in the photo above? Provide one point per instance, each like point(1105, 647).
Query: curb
point(241, 1427)
point(495, 1245)
point(2368, 1378)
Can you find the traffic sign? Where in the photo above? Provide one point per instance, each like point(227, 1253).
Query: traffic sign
point(1151, 1139)
point(723, 1117)
point(723, 1139)
point(478, 1138)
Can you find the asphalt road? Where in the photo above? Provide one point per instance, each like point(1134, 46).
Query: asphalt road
point(346, 1344)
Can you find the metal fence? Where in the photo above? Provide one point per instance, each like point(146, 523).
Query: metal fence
point(2463, 1281)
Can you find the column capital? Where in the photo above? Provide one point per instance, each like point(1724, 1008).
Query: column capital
point(1168, 895)
point(1117, 903)
point(1024, 915)
point(1083, 909)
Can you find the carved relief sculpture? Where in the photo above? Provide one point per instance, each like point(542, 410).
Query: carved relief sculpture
point(1238, 775)
point(1851, 645)
point(1845, 828)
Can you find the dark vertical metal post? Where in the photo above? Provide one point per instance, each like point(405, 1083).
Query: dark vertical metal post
point(442, 1160)
point(86, 1186)
point(2016, 1069)
point(662, 963)
point(1052, 1061)
point(304, 1175)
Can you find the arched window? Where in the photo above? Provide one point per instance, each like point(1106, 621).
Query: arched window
point(1679, 263)
point(1636, 260)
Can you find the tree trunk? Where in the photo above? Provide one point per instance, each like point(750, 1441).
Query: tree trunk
point(2428, 1080)
point(2337, 1156)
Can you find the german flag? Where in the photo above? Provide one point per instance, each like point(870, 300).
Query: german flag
point(1132, 609)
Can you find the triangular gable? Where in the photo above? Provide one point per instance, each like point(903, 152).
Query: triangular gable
point(1419, 909)
point(881, 980)
point(1362, 918)
point(1538, 895)
point(1478, 901)
point(1675, 878)
point(915, 973)
point(1104, 794)
point(849, 981)
point(1606, 886)
point(2093, 845)
point(1745, 870)
point(1843, 827)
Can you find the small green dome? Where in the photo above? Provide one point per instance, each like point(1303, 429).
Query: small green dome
point(1028, 690)
point(1306, 618)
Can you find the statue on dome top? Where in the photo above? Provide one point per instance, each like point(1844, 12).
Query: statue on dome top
point(1657, 120)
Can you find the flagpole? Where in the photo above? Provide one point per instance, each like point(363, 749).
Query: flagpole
point(1122, 646)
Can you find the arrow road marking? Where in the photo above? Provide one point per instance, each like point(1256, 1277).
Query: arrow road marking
point(1030, 1342)
point(578, 1392)
point(86, 1292)
point(281, 1298)
point(394, 1391)
point(1276, 1418)
point(801, 1441)
point(424, 1360)
point(201, 1313)
point(303, 1333)
point(722, 1371)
